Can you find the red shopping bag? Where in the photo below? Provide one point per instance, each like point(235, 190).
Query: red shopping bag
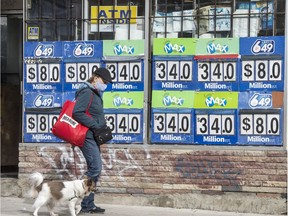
point(67, 128)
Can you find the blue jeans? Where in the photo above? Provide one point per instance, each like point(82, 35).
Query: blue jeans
point(92, 154)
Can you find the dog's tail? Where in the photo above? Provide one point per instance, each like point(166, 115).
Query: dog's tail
point(35, 181)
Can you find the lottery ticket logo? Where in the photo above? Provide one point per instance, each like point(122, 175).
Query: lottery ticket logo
point(118, 101)
point(169, 48)
point(84, 50)
point(44, 50)
point(263, 47)
point(168, 100)
point(260, 101)
point(213, 48)
point(211, 101)
point(119, 49)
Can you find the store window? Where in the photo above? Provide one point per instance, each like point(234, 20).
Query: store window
point(217, 18)
point(48, 20)
point(122, 20)
point(52, 20)
point(3, 44)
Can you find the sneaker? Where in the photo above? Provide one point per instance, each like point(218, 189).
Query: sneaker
point(95, 210)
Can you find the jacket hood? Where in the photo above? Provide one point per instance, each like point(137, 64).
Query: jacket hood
point(84, 85)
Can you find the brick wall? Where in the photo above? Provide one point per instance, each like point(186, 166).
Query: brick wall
point(174, 171)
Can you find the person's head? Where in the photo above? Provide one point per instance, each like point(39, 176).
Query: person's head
point(100, 78)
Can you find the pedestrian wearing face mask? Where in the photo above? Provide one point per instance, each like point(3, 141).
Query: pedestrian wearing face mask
point(90, 95)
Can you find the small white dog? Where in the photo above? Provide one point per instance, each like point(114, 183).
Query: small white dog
point(53, 193)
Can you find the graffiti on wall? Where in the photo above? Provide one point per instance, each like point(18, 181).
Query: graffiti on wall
point(71, 164)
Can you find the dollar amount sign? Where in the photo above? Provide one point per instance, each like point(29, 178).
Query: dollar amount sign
point(32, 74)
point(248, 71)
point(31, 122)
point(71, 72)
point(246, 124)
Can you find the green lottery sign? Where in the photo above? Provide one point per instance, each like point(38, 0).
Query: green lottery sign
point(174, 46)
point(216, 100)
point(172, 99)
point(123, 47)
point(217, 46)
point(123, 100)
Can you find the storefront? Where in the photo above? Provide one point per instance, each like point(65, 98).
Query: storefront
point(189, 47)
point(197, 105)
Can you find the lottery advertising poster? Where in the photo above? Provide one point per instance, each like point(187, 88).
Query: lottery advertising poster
point(124, 60)
point(262, 63)
point(172, 116)
point(215, 118)
point(217, 64)
point(42, 96)
point(124, 115)
point(261, 118)
point(38, 125)
point(173, 65)
point(80, 59)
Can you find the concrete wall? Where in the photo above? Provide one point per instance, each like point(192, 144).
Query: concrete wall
point(203, 177)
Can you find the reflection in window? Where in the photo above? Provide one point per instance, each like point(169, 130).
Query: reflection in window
point(122, 19)
point(3, 43)
point(217, 18)
point(56, 20)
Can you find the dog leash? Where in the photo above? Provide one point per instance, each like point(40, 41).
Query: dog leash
point(74, 155)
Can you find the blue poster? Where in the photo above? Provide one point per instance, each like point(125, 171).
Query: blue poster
point(260, 127)
point(217, 74)
point(173, 73)
point(260, 118)
point(42, 50)
point(38, 126)
point(172, 126)
point(126, 125)
point(41, 99)
point(127, 75)
point(43, 66)
point(216, 127)
point(262, 64)
point(80, 59)
point(77, 50)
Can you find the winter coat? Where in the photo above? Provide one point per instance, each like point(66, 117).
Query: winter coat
point(86, 95)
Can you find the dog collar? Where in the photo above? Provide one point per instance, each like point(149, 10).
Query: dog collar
point(75, 196)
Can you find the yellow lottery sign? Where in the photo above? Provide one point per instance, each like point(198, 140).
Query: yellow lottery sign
point(116, 14)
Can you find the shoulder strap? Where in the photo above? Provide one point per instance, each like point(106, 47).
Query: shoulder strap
point(91, 98)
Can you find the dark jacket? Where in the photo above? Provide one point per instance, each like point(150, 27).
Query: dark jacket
point(83, 97)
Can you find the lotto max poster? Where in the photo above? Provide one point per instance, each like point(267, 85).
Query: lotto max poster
point(123, 99)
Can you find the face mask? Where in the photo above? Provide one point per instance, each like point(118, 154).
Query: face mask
point(100, 86)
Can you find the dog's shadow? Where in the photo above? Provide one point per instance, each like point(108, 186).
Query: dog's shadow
point(43, 211)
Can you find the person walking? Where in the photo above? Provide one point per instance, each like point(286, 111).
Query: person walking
point(89, 95)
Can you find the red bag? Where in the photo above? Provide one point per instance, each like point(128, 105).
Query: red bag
point(67, 128)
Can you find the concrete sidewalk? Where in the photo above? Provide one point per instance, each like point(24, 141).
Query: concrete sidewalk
point(19, 206)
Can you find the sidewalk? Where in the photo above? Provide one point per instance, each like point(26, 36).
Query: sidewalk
point(19, 206)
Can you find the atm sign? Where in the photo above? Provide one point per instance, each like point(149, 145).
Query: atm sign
point(113, 14)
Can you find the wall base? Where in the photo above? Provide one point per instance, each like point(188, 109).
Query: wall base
point(230, 202)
